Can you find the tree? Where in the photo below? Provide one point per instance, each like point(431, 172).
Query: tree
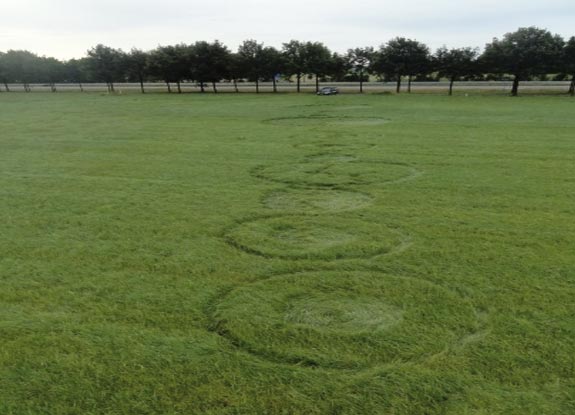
point(50, 71)
point(273, 65)
point(526, 52)
point(21, 66)
point(317, 58)
point(568, 62)
point(294, 53)
point(76, 71)
point(137, 66)
point(339, 67)
point(403, 57)
point(106, 65)
point(170, 64)
point(252, 61)
point(235, 69)
point(360, 61)
point(210, 63)
point(455, 64)
point(4, 72)
point(54, 71)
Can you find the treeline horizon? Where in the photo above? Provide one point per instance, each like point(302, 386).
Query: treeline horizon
point(528, 53)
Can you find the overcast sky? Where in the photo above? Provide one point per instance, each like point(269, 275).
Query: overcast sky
point(67, 28)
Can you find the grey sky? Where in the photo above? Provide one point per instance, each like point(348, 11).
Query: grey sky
point(67, 28)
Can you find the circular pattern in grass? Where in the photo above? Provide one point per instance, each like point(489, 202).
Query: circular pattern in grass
point(305, 200)
point(317, 173)
point(343, 319)
point(323, 120)
point(331, 157)
point(333, 147)
point(314, 237)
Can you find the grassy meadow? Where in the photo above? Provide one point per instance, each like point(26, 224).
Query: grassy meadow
point(287, 254)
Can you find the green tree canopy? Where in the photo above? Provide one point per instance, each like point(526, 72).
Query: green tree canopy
point(76, 71)
point(294, 53)
point(339, 67)
point(210, 62)
point(273, 64)
point(252, 60)
point(403, 57)
point(360, 60)
point(21, 66)
point(170, 64)
point(317, 58)
point(526, 52)
point(456, 64)
point(106, 64)
point(137, 66)
point(568, 62)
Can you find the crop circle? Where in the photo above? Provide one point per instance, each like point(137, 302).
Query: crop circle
point(314, 237)
point(334, 147)
point(343, 319)
point(312, 200)
point(326, 120)
point(325, 173)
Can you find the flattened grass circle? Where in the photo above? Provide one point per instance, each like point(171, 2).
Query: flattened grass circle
point(312, 200)
point(314, 237)
point(328, 157)
point(343, 319)
point(324, 173)
point(305, 121)
point(334, 147)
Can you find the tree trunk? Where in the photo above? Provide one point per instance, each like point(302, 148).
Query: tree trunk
point(361, 81)
point(409, 84)
point(112, 87)
point(53, 87)
point(81, 86)
point(515, 89)
point(179, 87)
point(214, 87)
point(298, 82)
point(451, 86)
point(275, 84)
point(316, 83)
point(6, 86)
point(169, 87)
point(142, 85)
point(257, 86)
point(202, 90)
point(572, 86)
point(398, 87)
point(236, 85)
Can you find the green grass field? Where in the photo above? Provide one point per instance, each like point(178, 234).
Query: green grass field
point(243, 254)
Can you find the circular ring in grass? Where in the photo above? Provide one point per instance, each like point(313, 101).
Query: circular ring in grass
point(345, 320)
point(315, 237)
point(323, 120)
point(333, 147)
point(332, 174)
point(313, 200)
point(328, 157)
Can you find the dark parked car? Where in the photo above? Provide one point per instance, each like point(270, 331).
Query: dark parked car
point(328, 90)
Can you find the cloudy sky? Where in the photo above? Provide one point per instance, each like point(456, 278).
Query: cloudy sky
point(67, 28)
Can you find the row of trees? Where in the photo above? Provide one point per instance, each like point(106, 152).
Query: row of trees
point(522, 55)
